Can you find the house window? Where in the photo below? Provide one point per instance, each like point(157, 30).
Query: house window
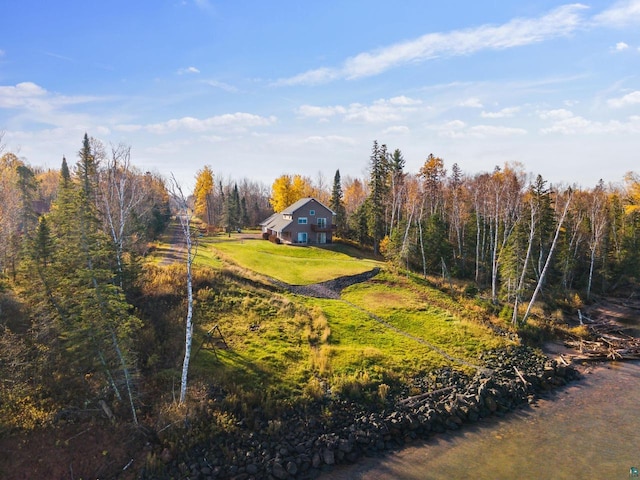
point(302, 220)
point(302, 237)
point(312, 212)
point(322, 222)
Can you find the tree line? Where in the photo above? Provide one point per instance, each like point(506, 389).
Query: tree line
point(71, 243)
point(71, 246)
point(507, 231)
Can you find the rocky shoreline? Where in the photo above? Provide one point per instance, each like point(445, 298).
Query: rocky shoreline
point(307, 442)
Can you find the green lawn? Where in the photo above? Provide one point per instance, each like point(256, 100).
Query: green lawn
point(410, 307)
point(296, 265)
point(388, 328)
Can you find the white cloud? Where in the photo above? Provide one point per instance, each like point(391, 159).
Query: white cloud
point(311, 77)
point(569, 124)
point(495, 131)
point(557, 114)
point(452, 129)
point(321, 112)
point(34, 104)
point(505, 112)
point(188, 70)
point(221, 85)
point(471, 103)
point(397, 130)
point(130, 128)
point(518, 32)
point(237, 120)
point(1, 52)
point(623, 13)
point(459, 129)
point(21, 95)
point(328, 140)
point(404, 101)
point(620, 46)
point(380, 111)
point(632, 98)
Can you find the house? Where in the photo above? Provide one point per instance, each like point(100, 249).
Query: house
point(306, 222)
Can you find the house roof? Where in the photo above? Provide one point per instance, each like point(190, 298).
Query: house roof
point(276, 222)
point(301, 203)
point(268, 220)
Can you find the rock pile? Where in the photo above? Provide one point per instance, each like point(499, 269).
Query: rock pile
point(310, 443)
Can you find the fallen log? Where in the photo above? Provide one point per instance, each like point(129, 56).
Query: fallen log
point(422, 396)
point(526, 384)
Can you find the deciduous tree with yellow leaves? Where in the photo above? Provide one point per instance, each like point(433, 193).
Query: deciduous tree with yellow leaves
point(287, 189)
point(203, 192)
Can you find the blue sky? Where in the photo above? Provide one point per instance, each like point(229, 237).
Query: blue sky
point(258, 89)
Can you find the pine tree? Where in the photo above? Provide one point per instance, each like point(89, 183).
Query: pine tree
point(93, 319)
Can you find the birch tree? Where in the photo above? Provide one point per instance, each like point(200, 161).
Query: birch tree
point(184, 216)
point(543, 274)
point(504, 198)
point(121, 193)
point(597, 216)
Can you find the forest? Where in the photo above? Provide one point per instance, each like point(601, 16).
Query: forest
point(82, 320)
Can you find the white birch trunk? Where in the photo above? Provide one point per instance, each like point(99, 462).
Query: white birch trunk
point(184, 217)
point(523, 274)
point(547, 262)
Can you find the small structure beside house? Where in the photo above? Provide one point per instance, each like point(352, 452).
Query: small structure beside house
point(305, 222)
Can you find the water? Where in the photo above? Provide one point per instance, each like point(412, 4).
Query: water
point(588, 430)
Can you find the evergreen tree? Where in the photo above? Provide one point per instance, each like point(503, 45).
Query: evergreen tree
point(397, 198)
point(27, 186)
point(87, 168)
point(237, 207)
point(73, 262)
point(379, 187)
point(337, 205)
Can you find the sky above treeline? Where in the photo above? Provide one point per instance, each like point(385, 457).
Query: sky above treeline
point(257, 89)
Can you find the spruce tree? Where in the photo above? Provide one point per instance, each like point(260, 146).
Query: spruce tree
point(337, 205)
point(378, 186)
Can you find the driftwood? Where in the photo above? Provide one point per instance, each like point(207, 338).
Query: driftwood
point(608, 341)
point(526, 384)
point(418, 398)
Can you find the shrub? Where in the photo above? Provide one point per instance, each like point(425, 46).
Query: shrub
point(314, 389)
point(383, 391)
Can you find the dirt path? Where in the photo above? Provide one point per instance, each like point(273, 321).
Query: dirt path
point(330, 289)
point(176, 251)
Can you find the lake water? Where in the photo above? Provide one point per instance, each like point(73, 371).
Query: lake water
point(587, 430)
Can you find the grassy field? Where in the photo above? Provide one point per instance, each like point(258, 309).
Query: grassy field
point(296, 265)
point(283, 346)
